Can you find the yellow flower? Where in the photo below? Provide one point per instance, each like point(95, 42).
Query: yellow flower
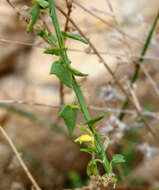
point(85, 139)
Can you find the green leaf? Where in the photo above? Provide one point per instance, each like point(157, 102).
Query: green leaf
point(42, 3)
point(52, 39)
point(34, 11)
point(118, 159)
point(94, 120)
point(105, 144)
point(88, 150)
point(69, 114)
point(41, 32)
point(75, 72)
point(47, 36)
point(92, 168)
point(54, 51)
point(60, 70)
point(84, 130)
point(74, 36)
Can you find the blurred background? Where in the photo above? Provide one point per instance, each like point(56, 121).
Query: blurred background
point(30, 98)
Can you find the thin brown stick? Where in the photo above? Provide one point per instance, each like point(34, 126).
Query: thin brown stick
point(61, 93)
point(123, 178)
point(102, 12)
point(134, 97)
point(69, 7)
point(6, 41)
point(45, 24)
point(66, 28)
point(12, 5)
point(153, 83)
point(23, 165)
point(138, 108)
point(16, 10)
point(79, 50)
point(130, 36)
point(108, 109)
point(110, 6)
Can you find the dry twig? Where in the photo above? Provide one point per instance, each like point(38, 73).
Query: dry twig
point(116, 28)
point(153, 83)
point(66, 28)
point(149, 57)
point(108, 109)
point(23, 165)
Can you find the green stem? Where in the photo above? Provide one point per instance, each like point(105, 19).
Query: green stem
point(86, 114)
point(78, 92)
point(102, 154)
point(121, 116)
point(80, 99)
point(143, 53)
point(58, 32)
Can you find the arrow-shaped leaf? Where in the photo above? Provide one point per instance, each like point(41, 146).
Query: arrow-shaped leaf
point(69, 114)
point(60, 70)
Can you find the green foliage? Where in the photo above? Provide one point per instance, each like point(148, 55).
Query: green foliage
point(94, 120)
point(92, 168)
point(34, 11)
point(106, 143)
point(74, 36)
point(53, 51)
point(84, 129)
point(88, 150)
point(42, 3)
point(60, 70)
point(75, 72)
point(47, 36)
point(118, 159)
point(69, 114)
